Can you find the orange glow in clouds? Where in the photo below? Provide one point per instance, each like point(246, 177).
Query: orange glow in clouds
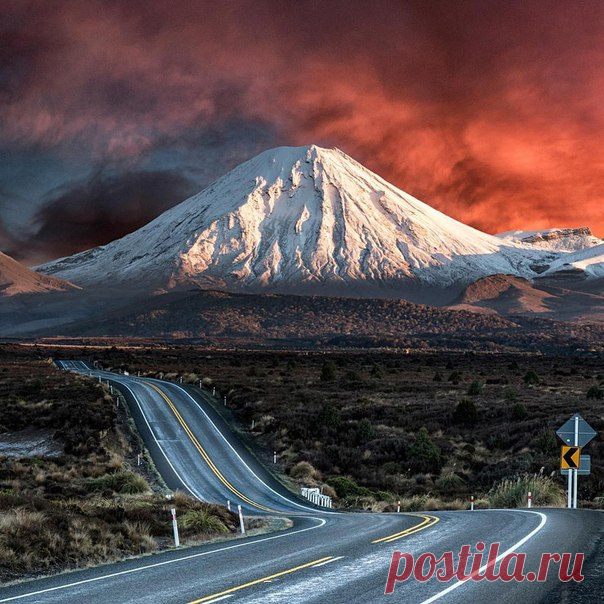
point(489, 111)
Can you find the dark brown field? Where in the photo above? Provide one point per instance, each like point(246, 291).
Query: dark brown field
point(360, 415)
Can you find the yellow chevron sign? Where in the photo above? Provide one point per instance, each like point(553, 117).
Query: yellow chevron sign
point(570, 458)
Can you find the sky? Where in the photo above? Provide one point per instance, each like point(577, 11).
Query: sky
point(113, 111)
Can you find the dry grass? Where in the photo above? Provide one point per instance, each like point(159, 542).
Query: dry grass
point(513, 492)
point(89, 505)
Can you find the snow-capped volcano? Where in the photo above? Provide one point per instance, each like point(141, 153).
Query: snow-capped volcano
point(307, 220)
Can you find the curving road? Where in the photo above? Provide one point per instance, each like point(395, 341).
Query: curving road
point(326, 556)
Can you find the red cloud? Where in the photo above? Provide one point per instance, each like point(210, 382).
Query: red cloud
point(489, 111)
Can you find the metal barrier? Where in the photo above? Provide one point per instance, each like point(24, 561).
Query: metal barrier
point(315, 496)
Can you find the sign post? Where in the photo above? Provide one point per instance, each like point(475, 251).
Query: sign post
point(575, 434)
point(576, 468)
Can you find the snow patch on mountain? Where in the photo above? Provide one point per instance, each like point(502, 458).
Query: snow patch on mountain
point(588, 263)
point(560, 240)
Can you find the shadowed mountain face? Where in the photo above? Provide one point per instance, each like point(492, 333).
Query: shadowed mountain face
point(17, 279)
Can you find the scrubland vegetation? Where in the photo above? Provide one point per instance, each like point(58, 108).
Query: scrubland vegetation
point(369, 428)
point(88, 502)
point(429, 430)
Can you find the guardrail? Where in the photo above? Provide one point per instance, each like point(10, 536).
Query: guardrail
point(315, 496)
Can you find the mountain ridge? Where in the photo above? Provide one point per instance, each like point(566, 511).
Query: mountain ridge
point(16, 279)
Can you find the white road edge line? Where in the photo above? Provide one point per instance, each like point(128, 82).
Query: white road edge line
point(322, 523)
point(514, 547)
point(239, 457)
point(163, 382)
point(193, 492)
point(326, 562)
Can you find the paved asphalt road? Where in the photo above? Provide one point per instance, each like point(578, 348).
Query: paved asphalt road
point(326, 556)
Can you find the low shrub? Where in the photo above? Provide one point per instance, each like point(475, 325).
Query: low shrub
point(305, 471)
point(347, 487)
point(513, 492)
point(202, 521)
point(127, 483)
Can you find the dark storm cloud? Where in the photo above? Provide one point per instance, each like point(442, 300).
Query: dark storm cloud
point(488, 110)
point(8, 244)
point(106, 208)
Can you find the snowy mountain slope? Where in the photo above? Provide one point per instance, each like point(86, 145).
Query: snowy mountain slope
point(18, 279)
point(301, 219)
point(587, 263)
point(560, 240)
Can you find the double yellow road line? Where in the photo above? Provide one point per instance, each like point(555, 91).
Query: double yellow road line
point(205, 455)
point(427, 522)
point(221, 595)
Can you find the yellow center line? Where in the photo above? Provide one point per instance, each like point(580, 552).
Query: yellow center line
point(275, 576)
point(427, 522)
point(205, 455)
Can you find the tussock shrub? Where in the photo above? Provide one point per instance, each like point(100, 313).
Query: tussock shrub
point(202, 521)
point(450, 482)
point(119, 482)
point(139, 536)
point(305, 471)
point(513, 492)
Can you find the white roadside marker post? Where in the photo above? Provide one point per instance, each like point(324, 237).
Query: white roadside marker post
point(175, 528)
point(530, 499)
point(575, 472)
point(213, 390)
point(138, 459)
point(241, 525)
point(225, 404)
point(471, 503)
point(274, 456)
point(228, 505)
point(398, 507)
